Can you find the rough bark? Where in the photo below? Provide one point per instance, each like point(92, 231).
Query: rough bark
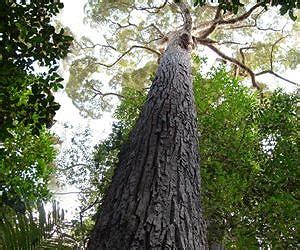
point(154, 198)
point(216, 246)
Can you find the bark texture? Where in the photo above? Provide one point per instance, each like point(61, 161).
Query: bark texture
point(154, 198)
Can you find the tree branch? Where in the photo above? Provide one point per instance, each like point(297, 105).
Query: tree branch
point(214, 24)
point(253, 25)
point(272, 50)
point(98, 92)
point(244, 67)
point(89, 206)
point(241, 17)
point(219, 20)
point(277, 75)
point(153, 9)
point(128, 51)
point(236, 62)
point(73, 166)
point(271, 70)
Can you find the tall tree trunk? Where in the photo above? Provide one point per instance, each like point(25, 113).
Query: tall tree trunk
point(154, 198)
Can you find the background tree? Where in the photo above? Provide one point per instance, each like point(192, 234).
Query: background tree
point(138, 34)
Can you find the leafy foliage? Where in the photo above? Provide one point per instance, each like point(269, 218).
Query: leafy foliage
point(29, 43)
point(286, 6)
point(29, 40)
point(26, 167)
point(249, 150)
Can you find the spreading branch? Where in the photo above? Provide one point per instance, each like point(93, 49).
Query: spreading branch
point(271, 70)
point(246, 68)
point(220, 20)
point(241, 17)
point(253, 25)
point(236, 62)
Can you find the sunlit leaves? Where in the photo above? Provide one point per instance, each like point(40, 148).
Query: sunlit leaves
point(26, 166)
point(249, 160)
point(286, 6)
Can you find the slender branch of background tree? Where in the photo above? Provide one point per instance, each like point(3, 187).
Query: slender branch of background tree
point(153, 9)
point(73, 166)
point(98, 92)
point(87, 208)
point(128, 51)
point(272, 50)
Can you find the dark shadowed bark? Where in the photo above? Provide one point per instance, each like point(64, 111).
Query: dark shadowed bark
point(154, 198)
point(216, 246)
